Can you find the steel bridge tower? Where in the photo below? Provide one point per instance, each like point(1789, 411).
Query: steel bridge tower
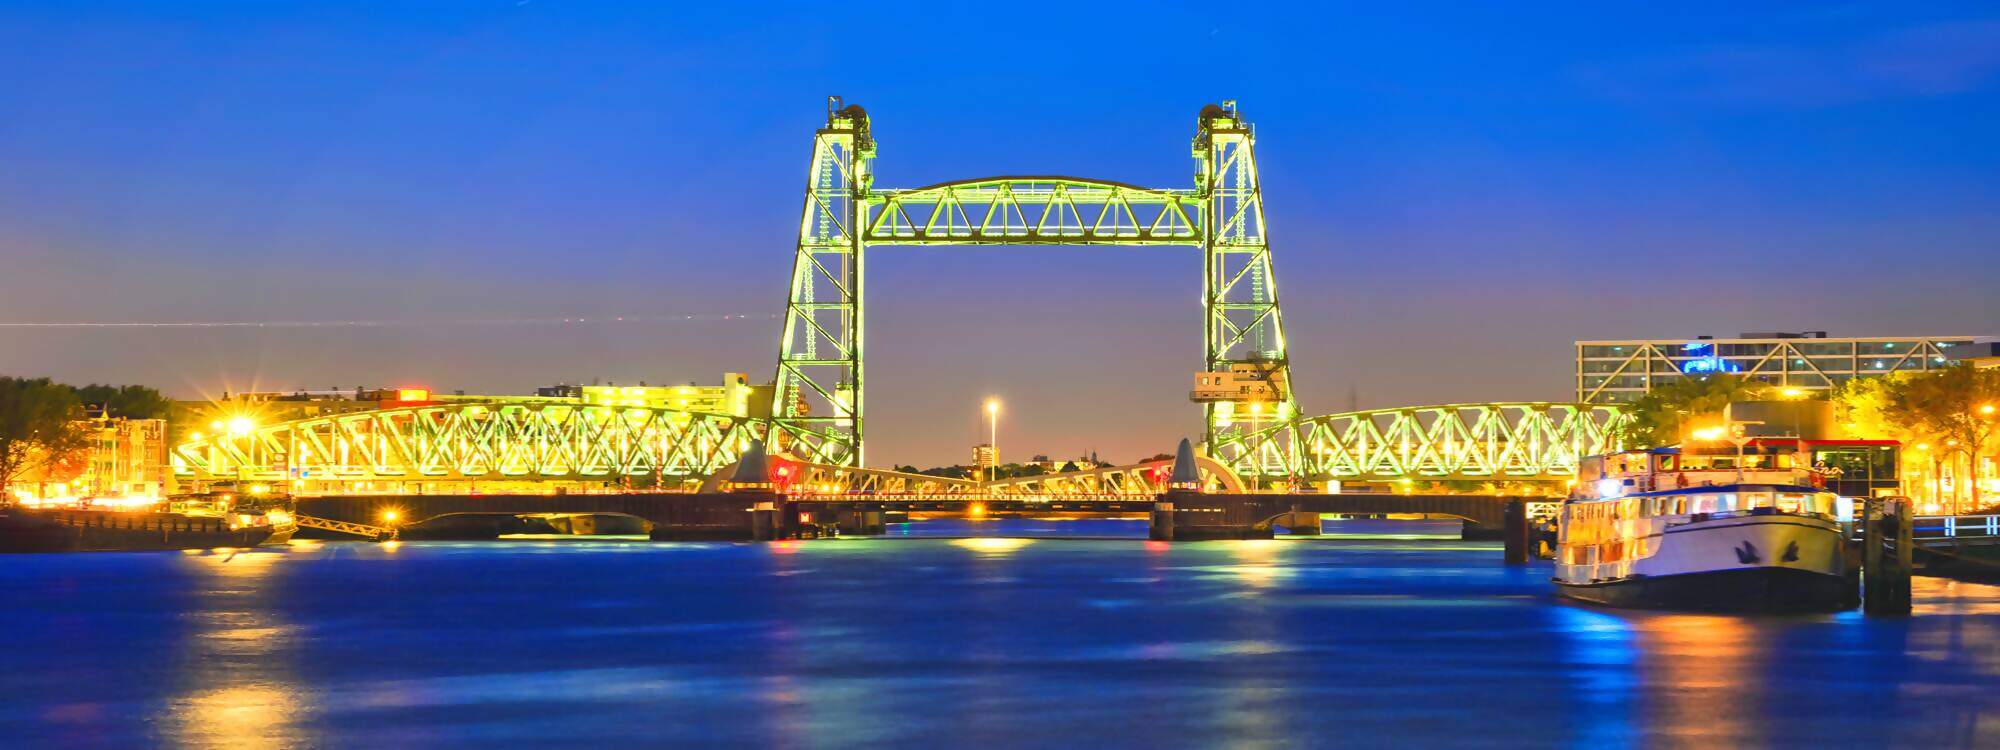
point(817, 410)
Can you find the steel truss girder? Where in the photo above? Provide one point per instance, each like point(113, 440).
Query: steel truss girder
point(1492, 441)
point(1034, 211)
point(471, 441)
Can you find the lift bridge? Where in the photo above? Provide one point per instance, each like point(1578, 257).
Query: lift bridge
point(816, 416)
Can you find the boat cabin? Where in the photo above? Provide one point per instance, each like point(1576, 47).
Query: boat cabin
point(1849, 468)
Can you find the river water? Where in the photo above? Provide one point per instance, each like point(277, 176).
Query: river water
point(1066, 640)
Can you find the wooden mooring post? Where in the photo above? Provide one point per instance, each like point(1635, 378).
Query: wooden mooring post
point(1887, 555)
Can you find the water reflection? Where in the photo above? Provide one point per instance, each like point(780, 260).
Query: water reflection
point(1705, 678)
point(238, 688)
point(994, 641)
point(992, 546)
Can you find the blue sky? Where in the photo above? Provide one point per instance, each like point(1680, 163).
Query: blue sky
point(1456, 193)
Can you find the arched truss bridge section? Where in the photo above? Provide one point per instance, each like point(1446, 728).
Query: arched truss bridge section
point(796, 477)
point(1034, 210)
point(793, 476)
point(1149, 478)
point(473, 441)
point(1536, 440)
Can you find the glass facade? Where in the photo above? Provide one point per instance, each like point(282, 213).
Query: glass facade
point(1618, 372)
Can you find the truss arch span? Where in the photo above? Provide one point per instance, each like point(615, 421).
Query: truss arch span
point(473, 441)
point(1497, 441)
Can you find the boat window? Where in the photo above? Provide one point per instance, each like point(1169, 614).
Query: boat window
point(1721, 502)
point(1755, 500)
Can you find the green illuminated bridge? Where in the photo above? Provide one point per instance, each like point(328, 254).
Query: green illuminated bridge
point(818, 406)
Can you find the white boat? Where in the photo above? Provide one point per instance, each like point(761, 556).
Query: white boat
point(1734, 547)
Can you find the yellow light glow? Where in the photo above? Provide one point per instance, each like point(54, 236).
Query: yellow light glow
point(1708, 433)
point(975, 510)
point(1794, 392)
point(240, 426)
point(992, 406)
point(391, 515)
point(991, 545)
point(1986, 408)
point(125, 503)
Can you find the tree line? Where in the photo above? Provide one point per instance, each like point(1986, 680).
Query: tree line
point(41, 421)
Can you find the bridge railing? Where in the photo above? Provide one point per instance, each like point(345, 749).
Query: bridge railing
point(1955, 527)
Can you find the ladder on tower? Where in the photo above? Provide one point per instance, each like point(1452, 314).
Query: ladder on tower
point(374, 533)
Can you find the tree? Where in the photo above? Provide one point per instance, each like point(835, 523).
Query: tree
point(1956, 406)
point(1864, 407)
point(128, 401)
point(1657, 417)
point(38, 427)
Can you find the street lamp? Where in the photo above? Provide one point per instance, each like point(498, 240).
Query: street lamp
point(1739, 433)
point(993, 438)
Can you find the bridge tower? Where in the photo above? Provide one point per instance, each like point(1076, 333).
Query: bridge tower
point(1244, 328)
point(817, 412)
point(817, 401)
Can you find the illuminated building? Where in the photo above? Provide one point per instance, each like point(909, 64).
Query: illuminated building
point(1984, 355)
point(984, 456)
point(736, 396)
point(124, 458)
point(1619, 372)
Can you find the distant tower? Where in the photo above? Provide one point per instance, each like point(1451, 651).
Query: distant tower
point(1353, 398)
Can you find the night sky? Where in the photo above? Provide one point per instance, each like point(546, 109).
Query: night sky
point(1455, 193)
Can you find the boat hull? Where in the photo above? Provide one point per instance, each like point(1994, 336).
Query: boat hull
point(1764, 589)
point(100, 531)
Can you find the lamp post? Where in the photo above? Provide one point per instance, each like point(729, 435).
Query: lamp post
point(1739, 434)
point(993, 437)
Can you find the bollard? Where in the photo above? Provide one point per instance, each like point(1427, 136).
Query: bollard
point(1163, 521)
point(1516, 533)
point(1905, 554)
point(1886, 557)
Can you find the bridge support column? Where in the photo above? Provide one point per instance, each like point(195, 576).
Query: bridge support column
point(1162, 529)
point(764, 522)
point(1515, 532)
point(861, 523)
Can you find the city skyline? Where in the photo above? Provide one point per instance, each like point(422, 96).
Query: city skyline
point(1430, 204)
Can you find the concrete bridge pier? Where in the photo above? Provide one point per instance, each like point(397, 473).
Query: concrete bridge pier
point(1162, 527)
point(860, 523)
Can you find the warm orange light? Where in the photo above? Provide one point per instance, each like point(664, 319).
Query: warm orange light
point(413, 394)
point(1986, 408)
point(391, 515)
point(992, 406)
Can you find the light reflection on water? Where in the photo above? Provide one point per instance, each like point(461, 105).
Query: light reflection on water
point(904, 641)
